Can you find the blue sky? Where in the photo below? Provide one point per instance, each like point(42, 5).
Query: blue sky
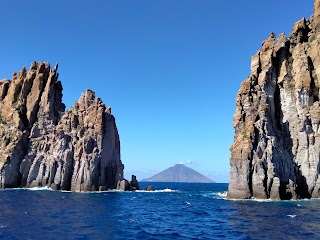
point(170, 69)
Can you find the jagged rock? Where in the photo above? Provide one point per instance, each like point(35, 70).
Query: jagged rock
point(134, 183)
point(276, 149)
point(125, 185)
point(41, 144)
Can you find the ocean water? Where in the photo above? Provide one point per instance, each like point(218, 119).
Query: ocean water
point(174, 211)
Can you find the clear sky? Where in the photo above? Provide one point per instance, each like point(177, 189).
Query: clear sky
point(170, 69)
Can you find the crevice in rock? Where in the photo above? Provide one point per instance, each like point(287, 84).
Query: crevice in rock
point(265, 180)
point(59, 107)
point(314, 93)
point(302, 185)
point(304, 32)
point(53, 172)
point(35, 110)
point(278, 110)
point(250, 176)
point(5, 90)
point(259, 70)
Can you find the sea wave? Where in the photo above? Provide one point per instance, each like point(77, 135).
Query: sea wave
point(31, 189)
point(273, 200)
point(222, 194)
point(40, 189)
point(216, 195)
point(166, 190)
point(252, 199)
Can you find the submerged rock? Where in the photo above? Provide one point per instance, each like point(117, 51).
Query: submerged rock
point(276, 149)
point(41, 144)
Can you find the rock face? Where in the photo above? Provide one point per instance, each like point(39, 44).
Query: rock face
point(41, 144)
point(179, 173)
point(276, 149)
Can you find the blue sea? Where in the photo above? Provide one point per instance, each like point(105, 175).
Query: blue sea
point(173, 211)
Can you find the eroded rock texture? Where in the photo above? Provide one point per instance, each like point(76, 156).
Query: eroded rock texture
point(276, 150)
point(41, 144)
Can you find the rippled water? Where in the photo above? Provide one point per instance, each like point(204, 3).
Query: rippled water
point(177, 211)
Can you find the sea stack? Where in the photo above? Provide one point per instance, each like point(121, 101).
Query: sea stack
point(42, 145)
point(276, 149)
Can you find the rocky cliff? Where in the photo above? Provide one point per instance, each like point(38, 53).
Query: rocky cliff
point(41, 144)
point(276, 149)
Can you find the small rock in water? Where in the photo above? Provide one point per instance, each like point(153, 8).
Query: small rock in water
point(150, 188)
point(134, 183)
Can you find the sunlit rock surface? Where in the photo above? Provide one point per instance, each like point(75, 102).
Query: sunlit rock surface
point(41, 144)
point(276, 149)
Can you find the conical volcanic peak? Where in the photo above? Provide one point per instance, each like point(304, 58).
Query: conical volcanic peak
point(179, 173)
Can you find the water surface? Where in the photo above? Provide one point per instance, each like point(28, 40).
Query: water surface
point(174, 211)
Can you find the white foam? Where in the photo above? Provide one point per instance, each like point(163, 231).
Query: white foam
point(262, 200)
point(222, 194)
point(215, 195)
point(253, 199)
point(31, 189)
point(188, 203)
point(166, 190)
point(292, 216)
point(40, 189)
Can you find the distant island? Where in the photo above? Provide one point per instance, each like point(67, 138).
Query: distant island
point(178, 173)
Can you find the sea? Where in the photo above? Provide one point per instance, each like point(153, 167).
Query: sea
point(172, 211)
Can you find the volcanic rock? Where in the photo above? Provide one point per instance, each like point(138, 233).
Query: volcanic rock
point(134, 183)
point(276, 149)
point(150, 188)
point(125, 185)
point(41, 144)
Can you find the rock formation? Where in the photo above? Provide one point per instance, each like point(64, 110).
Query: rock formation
point(125, 185)
point(149, 188)
point(41, 144)
point(276, 149)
